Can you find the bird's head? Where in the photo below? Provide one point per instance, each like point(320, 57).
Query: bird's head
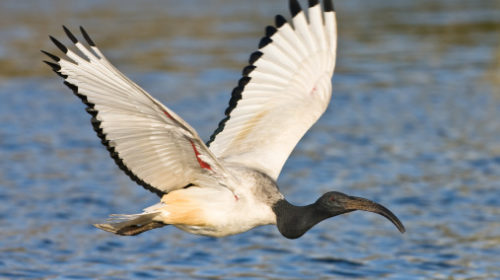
point(337, 203)
point(293, 221)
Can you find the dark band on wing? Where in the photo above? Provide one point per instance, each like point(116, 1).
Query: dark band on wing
point(93, 112)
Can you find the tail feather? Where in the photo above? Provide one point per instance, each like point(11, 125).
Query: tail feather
point(129, 225)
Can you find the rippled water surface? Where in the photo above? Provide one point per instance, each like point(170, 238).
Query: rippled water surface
point(414, 123)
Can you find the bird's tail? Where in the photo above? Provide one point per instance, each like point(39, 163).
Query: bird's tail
point(131, 224)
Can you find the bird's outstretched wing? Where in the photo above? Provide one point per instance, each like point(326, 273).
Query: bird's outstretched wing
point(283, 91)
point(151, 143)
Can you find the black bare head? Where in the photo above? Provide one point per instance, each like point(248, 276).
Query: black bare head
point(293, 221)
point(337, 203)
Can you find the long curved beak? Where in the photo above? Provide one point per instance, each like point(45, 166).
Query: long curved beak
point(359, 203)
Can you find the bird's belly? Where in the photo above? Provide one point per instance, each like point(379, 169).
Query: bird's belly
point(224, 222)
point(214, 213)
point(215, 230)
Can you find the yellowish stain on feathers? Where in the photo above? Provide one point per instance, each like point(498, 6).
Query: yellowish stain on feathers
point(183, 209)
point(248, 128)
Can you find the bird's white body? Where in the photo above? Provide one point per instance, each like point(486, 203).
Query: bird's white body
point(216, 211)
point(225, 213)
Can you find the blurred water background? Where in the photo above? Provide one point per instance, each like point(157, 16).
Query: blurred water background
point(414, 123)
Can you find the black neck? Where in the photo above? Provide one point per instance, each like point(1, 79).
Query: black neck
point(293, 221)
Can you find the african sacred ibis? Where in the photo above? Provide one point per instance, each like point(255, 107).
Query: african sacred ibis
point(228, 185)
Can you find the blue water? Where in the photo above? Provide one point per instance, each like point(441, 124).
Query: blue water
point(414, 124)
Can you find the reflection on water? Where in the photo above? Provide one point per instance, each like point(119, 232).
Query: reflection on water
point(413, 124)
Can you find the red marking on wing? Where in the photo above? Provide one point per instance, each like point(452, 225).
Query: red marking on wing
point(168, 115)
point(197, 154)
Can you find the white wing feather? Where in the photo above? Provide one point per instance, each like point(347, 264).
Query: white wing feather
point(151, 143)
point(287, 90)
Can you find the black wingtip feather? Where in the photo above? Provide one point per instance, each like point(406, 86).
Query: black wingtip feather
point(279, 21)
point(92, 112)
point(313, 3)
point(87, 37)
point(264, 42)
point(247, 70)
point(295, 7)
point(329, 6)
point(270, 30)
point(70, 35)
point(244, 81)
point(219, 129)
point(254, 56)
point(53, 57)
point(58, 44)
point(235, 97)
point(71, 86)
point(54, 66)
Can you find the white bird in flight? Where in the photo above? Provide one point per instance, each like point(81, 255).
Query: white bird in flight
point(228, 185)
